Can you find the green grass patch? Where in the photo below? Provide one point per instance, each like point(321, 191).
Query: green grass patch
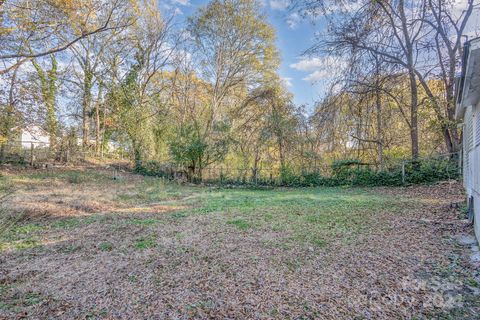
point(152, 190)
point(21, 236)
point(70, 176)
point(472, 283)
point(72, 223)
point(105, 246)
point(239, 223)
point(16, 302)
point(26, 244)
point(143, 222)
point(69, 223)
point(145, 243)
point(179, 215)
point(310, 216)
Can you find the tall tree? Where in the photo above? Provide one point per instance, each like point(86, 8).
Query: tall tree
point(235, 48)
point(139, 100)
point(235, 45)
point(48, 87)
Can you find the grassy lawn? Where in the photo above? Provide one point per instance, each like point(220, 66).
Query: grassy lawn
point(80, 244)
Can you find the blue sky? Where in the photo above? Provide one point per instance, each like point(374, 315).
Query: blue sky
point(302, 75)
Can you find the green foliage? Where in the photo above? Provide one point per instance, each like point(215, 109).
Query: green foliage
point(288, 177)
point(432, 170)
point(311, 179)
point(188, 148)
point(193, 151)
point(342, 169)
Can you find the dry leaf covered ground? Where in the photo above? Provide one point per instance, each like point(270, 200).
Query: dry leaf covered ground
point(78, 244)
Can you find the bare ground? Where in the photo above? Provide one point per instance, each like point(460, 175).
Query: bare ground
point(146, 257)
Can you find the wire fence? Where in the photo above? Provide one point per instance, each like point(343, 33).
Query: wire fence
point(399, 172)
point(394, 172)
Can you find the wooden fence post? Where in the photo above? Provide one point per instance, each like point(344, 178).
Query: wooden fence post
point(403, 172)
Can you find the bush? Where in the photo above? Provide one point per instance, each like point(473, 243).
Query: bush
point(429, 171)
point(289, 178)
point(312, 179)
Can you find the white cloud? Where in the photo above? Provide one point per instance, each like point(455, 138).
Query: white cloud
point(320, 68)
point(308, 64)
point(177, 11)
point(293, 20)
point(279, 4)
point(317, 76)
point(181, 2)
point(287, 82)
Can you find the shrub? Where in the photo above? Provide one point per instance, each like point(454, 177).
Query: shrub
point(344, 169)
point(289, 178)
point(428, 171)
point(312, 179)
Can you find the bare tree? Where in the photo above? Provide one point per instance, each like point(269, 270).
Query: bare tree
point(34, 29)
point(404, 35)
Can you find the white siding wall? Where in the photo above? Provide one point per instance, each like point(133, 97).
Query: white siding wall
point(475, 166)
point(35, 136)
point(467, 148)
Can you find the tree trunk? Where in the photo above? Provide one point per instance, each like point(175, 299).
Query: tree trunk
point(87, 97)
point(409, 52)
point(378, 105)
point(256, 160)
point(9, 120)
point(97, 121)
point(452, 140)
point(137, 154)
point(414, 115)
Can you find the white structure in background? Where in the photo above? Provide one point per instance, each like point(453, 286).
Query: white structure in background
point(468, 109)
point(32, 135)
point(110, 146)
